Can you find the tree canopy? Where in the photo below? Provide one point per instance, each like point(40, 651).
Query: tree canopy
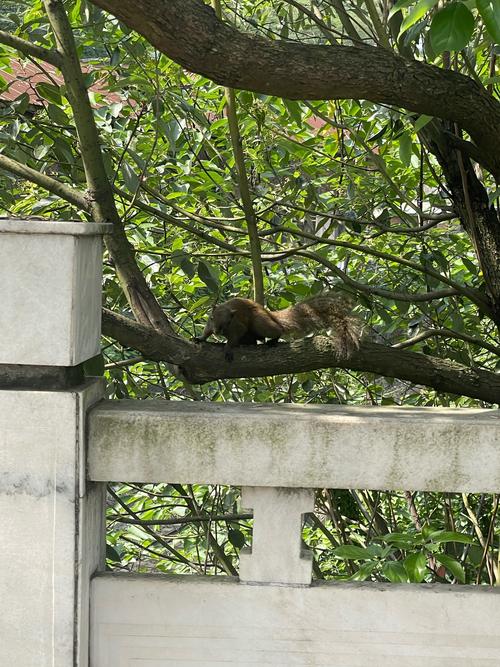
point(361, 156)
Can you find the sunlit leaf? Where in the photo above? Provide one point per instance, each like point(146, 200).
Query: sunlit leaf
point(395, 572)
point(490, 13)
point(352, 552)
point(415, 14)
point(416, 567)
point(452, 566)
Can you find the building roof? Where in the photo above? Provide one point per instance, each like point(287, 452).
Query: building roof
point(23, 77)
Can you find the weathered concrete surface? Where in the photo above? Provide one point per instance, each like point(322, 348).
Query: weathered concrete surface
point(158, 621)
point(51, 534)
point(50, 273)
point(248, 444)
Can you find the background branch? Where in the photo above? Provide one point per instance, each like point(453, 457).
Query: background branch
point(189, 32)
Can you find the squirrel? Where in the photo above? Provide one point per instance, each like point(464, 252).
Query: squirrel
point(244, 322)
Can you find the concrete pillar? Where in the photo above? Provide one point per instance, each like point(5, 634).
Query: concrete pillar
point(276, 555)
point(51, 519)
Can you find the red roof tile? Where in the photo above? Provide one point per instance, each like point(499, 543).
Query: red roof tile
point(25, 76)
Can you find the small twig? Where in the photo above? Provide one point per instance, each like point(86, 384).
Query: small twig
point(181, 520)
point(446, 333)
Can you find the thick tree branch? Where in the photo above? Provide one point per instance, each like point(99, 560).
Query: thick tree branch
point(189, 32)
point(203, 363)
point(472, 206)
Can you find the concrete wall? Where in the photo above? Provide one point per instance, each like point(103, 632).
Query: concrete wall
point(50, 274)
point(45, 505)
point(160, 621)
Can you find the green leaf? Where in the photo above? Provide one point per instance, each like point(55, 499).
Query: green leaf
point(421, 122)
point(41, 151)
point(420, 9)
point(364, 571)
point(294, 110)
point(49, 92)
point(470, 265)
point(351, 552)
point(399, 539)
point(237, 538)
point(207, 275)
point(416, 567)
point(21, 103)
point(452, 565)
point(130, 178)
point(181, 259)
point(451, 28)
point(57, 115)
point(475, 555)
point(400, 4)
point(62, 149)
point(395, 572)
point(112, 554)
point(405, 146)
point(490, 13)
point(115, 57)
point(439, 536)
point(427, 530)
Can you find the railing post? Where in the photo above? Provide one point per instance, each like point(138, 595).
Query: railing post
point(50, 517)
point(277, 555)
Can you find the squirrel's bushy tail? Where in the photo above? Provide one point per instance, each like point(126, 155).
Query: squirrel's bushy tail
point(324, 311)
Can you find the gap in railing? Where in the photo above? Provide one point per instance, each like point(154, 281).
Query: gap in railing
point(354, 535)
point(175, 528)
point(402, 536)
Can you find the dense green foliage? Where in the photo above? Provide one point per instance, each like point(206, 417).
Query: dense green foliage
point(346, 197)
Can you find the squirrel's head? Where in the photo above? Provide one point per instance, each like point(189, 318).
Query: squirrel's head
point(221, 317)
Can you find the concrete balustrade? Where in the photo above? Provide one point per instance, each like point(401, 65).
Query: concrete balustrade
point(272, 614)
point(308, 446)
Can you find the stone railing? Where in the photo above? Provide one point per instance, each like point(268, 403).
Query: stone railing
point(60, 443)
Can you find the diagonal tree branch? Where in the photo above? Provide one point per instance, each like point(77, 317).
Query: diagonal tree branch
point(62, 190)
point(203, 363)
point(189, 32)
point(99, 193)
point(29, 49)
